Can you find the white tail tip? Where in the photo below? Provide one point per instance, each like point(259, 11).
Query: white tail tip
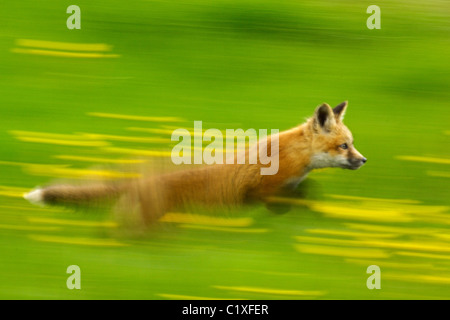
point(35, 196)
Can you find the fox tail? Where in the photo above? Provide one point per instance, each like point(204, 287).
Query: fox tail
point(73, 195)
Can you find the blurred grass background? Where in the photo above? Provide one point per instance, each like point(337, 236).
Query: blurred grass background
point(232, 64)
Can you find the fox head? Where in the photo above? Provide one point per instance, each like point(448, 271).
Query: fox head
point(331, 141)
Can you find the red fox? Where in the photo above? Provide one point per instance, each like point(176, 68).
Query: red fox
point(322, 141)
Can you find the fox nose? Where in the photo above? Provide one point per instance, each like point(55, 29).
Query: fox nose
point(363, 160)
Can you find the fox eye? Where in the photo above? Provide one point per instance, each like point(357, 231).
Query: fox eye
point(344, 146)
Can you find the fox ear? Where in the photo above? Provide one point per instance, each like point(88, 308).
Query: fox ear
point(339, 110)
point(324, 117)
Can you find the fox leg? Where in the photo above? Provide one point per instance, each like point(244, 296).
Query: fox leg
point(307, 189)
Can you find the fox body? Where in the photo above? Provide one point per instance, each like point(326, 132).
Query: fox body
point(322, 141)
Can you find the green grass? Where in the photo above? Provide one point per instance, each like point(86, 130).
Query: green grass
point(233, 64)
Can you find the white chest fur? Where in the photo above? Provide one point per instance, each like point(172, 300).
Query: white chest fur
point(293, 182)
point(326, 160)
